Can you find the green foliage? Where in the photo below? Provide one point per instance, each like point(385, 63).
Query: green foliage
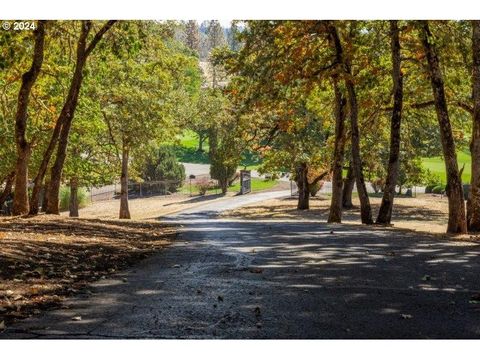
point(162, 165)
point(65, 198)
point(203, 185)
point(226, 137)
point(411, 172)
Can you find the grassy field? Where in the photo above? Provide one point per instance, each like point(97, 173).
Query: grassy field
point(257, 185)
point(437, 166)
point(187, 152)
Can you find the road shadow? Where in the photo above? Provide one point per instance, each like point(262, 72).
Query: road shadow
point(320, 210)
point(270, 279)
point(197, 199)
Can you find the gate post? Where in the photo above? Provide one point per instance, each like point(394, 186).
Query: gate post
point(245, 182)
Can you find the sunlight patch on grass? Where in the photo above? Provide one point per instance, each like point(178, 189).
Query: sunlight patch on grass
point(437, 166)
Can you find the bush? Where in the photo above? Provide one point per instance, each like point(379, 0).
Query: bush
point(203, 185)
point(429, 188)
point(431, 179)
point(162, 165)
point(65, 198)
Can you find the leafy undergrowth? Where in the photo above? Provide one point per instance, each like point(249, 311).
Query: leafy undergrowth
point(47, 258)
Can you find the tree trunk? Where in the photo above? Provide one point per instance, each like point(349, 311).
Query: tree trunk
point(224, 185)
point(7, 190)
point(67, 114)
point(201, 138)
point(45, 196)
point(20, 200)
point(73, 203)
point(37, 182)
point(474, 196)
point(65, 119)
point(224, 180)
point(348, 185)
point(303, 188)
point(456, 205)
point(385, 212)
point(124, 211)
point(335, 215)
point(365, 209)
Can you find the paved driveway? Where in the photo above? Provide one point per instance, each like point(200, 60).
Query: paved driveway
point(228, 278)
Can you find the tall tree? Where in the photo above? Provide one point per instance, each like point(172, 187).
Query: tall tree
point(84, 49)
point(456, 206)
point(336, 205)
point(233, 37)
point(138, 97)
point(365, 208)
point(20, 200)
point(474, 201)
point(192, 35)
point(385, 212)
point(216, 39)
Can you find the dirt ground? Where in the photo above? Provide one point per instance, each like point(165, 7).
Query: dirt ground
point(149, 208)
point(426, 212)
point(143, 208)
point(46, 258)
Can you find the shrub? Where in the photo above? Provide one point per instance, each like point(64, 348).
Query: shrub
point(429, 188)
point(162, 165)
point(65, 198)
point(203, 185)
point(431, 179)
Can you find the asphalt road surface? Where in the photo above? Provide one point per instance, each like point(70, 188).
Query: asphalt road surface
point(227, 278)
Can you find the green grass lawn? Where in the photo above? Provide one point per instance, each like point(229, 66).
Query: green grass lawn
point(189, 139)
point(257, 185)
point(187, 152)
point(437, 166)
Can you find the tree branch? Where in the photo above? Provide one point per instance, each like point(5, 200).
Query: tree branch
point(98, 36)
